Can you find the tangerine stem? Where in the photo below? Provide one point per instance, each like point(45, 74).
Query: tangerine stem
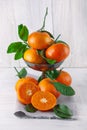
point(57, 37)
point(17, 72)
point(46, 13)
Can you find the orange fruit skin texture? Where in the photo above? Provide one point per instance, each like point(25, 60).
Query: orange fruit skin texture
point(31, 55)
point(25, 92)
point(39, 40)
point(64, 78)
point(38, 102)
point(24, 80)
point(46, 85)
point(58, 52)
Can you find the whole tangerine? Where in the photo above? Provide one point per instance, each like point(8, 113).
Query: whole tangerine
point(39, 40)
point(31, 55)
point(46, 85)
point(64, 78)
point(58, 52)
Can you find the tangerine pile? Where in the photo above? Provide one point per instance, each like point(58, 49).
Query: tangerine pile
point(42, 41)
point(42, 95)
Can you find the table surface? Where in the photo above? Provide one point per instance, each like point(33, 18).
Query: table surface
point(8, 79)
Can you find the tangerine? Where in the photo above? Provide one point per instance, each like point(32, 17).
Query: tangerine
point(46, 85)
point(31, 55)
point(64, 78)
point(39, 40)
point(58, 51)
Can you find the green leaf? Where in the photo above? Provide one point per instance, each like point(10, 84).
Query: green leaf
point(20, 52)
point(13, 47)
point(30, 108)
point(23, 32)
point(62, 111)
point(53, 74)
point(22, 73)
point(48, 33)
point(63, 89)
point(50, 61)
point(40, 78)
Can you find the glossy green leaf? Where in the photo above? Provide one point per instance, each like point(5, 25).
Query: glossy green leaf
point(30, 108)
point(53, 74)
point(20, 52)
point(13, 47)
point(62, 111)
point(23, 32)
point(40, 78)
point(51, 62)
point(63, 89)
point(22, 73)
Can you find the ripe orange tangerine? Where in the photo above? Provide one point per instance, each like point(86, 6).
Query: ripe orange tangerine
point(46, 85)
point(43, 100)
point(58, 52)
point(31, 55)
point(64, 78)
point(39, 40)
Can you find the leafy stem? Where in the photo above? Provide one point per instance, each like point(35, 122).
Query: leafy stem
point(46, 13)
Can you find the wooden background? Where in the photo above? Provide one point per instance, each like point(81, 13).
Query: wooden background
point(65, 17)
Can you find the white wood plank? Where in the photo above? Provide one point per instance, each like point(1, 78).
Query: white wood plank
point(70, 20)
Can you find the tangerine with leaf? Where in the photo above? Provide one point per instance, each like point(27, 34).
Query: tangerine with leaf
point(58, 51)
point(46, 85)
point(31, 55)
point(64, 78)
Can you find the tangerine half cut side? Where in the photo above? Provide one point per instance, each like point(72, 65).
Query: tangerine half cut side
point(25, 92)
point(43, 101)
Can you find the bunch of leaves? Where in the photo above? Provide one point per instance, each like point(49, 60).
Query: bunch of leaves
point(63, 111)
point(21, 46)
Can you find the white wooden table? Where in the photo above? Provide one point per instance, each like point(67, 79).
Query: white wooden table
point(8, 101)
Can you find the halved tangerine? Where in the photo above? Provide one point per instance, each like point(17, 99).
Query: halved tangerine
point(26, 79)
point(43, 100)
point(25, 92)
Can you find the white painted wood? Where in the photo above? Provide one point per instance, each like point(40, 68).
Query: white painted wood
point(65, 17)
point(70, 20)
point(8, 102)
